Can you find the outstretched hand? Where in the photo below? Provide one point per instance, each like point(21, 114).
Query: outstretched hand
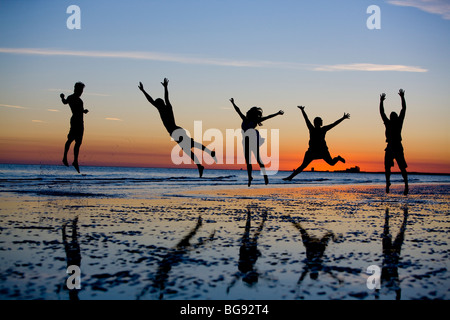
point(346, 115)
point(141, 86)
point(281, 112)
point(232, 100)
point(401, 93)
point(382, 96)
point(301, 107)
point(165, 83)
point(62, 95)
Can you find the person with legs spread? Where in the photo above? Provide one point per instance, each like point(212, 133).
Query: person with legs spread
point(76, 123)
point(394, 149)
point(251, 138)
point(179, 134)
point(318, 148)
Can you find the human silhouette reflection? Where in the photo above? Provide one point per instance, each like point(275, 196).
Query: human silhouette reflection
point(174, 257)
point(315, 249)
point(318, 148)
point(251, 138)
point(394, 149)
point(177, 133)
point(73, 253)
point(76, 123)
point(391, 255)
point(249, 253)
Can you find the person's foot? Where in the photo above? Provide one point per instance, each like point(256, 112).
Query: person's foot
point(250, 181)
point(387, 187)
point(287, 179)
point(65, 162)
point(75, 165)
point(200, 170)
point(266, 179)
point(341, 159)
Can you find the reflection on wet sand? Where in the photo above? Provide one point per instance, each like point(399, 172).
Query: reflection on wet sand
point(391, 256)
point(174, 257)
point(73, 253)
point(315, 250)
point(249, 253)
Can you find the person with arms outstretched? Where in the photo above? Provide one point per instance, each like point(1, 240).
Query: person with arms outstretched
point(178, 134)
point(318, 148)
point(76, 123)
point(394, 149)
point(252, 119)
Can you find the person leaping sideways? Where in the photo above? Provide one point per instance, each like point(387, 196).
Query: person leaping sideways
point(318, 148)
point(179, 134)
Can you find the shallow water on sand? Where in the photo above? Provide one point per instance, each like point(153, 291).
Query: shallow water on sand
point(273, 243)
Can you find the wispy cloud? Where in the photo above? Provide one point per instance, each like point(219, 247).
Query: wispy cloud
point(53, 110)
point(11, 106)
point(113, 119)
point(369, 67)
point(38, 121)
point(164, 57)
point(439, 7)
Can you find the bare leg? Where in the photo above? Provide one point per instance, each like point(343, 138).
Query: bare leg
point(198, 145)
point(76, 151)
point(248, 159)
point(405, 178)
point(66, 150)
point(387, 172)
point(333, 161)
point(306, 161)
point(263, 169)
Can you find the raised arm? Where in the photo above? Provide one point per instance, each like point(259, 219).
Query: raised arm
point(308, 123)
point(166, 92)
point(149, 98)
point(272, 115)
point(334, 124)
point(382, 113)
point(237, 109)
point(401, 93)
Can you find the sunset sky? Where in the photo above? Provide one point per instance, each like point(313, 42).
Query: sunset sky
point(275, 54)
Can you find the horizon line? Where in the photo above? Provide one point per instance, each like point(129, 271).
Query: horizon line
point(235, 169)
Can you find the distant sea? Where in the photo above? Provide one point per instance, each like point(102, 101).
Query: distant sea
point(131, 182)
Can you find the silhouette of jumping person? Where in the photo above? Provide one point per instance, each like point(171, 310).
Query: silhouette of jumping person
point(318, 148)
point(251, 138)
point(76, 123)
point(177, 133)
point(394, 149)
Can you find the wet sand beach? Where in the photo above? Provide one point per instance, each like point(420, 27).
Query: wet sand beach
point(267, 243)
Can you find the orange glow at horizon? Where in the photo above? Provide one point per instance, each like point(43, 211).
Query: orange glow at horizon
point(158, 154)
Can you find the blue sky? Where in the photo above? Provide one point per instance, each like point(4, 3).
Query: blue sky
point(275, 54)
